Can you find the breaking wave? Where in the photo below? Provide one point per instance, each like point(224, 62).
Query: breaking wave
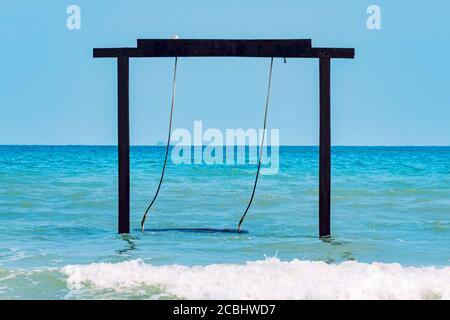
point(266, 279)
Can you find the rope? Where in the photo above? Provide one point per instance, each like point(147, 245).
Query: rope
point(167, 146)
point(260, 150)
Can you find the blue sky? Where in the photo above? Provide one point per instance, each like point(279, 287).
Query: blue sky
point(396, 91)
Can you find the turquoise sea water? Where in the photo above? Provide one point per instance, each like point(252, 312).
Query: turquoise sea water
point(58, 222)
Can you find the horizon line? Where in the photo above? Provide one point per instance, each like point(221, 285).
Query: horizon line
point(158, 145)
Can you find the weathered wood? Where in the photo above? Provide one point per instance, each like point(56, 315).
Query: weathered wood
point(123, 144)
point(148, 48)
point(331, 53)
point(225, 48)
point(324, 149)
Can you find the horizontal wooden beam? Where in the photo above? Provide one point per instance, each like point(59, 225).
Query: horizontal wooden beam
point(225, 48)
point(148, 48)
point(339, 53)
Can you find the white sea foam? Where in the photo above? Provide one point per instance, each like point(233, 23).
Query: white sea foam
point(268, 279)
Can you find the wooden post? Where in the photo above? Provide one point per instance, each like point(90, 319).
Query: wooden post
point(123, 143)
point(325, 150)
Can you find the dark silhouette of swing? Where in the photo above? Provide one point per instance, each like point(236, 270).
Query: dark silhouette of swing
point(146, 48)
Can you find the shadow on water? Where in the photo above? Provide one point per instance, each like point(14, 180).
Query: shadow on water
point(130, 244)
point(195, 230)
point(339, 253)
point(333, 241)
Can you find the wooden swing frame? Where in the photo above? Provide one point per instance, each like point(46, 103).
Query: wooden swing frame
point(295, 48)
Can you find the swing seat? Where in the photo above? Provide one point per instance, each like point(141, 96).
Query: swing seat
point(194, 230)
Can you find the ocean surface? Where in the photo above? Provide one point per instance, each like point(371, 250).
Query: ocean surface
point(390, 226)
